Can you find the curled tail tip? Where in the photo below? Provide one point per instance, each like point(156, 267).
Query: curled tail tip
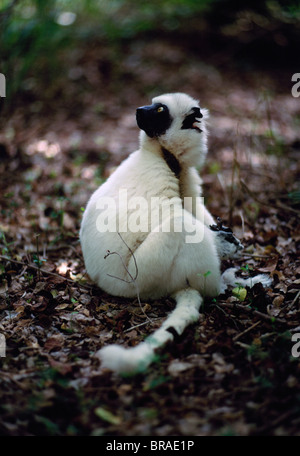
point(265, 280)
point(229, 278)
point(127, 361)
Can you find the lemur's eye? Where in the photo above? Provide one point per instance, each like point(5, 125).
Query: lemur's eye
point(160, 109)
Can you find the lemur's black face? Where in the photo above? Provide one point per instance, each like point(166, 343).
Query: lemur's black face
point(154, 119)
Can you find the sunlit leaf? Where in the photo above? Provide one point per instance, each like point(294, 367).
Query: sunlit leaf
point(240, 293)
point(107, 416)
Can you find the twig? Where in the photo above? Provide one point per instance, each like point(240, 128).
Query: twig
point(288, 208)
point(53, 248)
point(231, 189)
point(243, 222)
point(242, 345)
point(294, 300)
point(278, 204)
point(255, 255)
point(125, 267)
point(140, 324)
point(133, 279)
point(38, 258)
point(55, 274)
point(253, 311)
point(246, 331)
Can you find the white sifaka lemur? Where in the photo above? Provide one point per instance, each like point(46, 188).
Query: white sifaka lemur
point(146, 231)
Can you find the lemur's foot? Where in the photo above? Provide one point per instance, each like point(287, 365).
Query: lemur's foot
point(228, 245)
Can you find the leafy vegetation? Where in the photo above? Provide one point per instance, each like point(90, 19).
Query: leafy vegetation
point(38, 35)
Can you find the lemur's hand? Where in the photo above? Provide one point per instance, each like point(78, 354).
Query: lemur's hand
point(228, 245)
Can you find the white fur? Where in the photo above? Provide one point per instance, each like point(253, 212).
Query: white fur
point(188, 146)
point(166, 264)
point(229, 278)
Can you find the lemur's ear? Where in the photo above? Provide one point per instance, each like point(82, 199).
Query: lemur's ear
point(193, 120)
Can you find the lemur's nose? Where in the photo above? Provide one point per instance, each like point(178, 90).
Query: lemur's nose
point(144, 109)
point(140, 112)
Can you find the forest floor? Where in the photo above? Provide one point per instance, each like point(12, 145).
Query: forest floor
point(233, 373)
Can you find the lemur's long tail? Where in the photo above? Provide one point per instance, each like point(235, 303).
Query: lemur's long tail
point(229, 278)
point(136, 359)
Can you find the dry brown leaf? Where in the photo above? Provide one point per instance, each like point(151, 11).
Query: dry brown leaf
point(54, 342)
point(269, 266)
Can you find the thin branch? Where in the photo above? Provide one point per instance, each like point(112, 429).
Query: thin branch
point(133, 279)
point(54, 274)
point(135, 263)
point(252, 311)
point(53, 248)
point(125, 267)
point(140, 324)
point(108, 253)
point(255, 255)
point(294, 300)
point(278, 204)
point(243, 222)
point(246, 331)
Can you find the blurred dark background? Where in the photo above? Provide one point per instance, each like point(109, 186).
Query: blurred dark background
point(47, 45)
point(76, 71)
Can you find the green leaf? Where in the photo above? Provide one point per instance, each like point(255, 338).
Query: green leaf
point(240, 293)
point(107, 416)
